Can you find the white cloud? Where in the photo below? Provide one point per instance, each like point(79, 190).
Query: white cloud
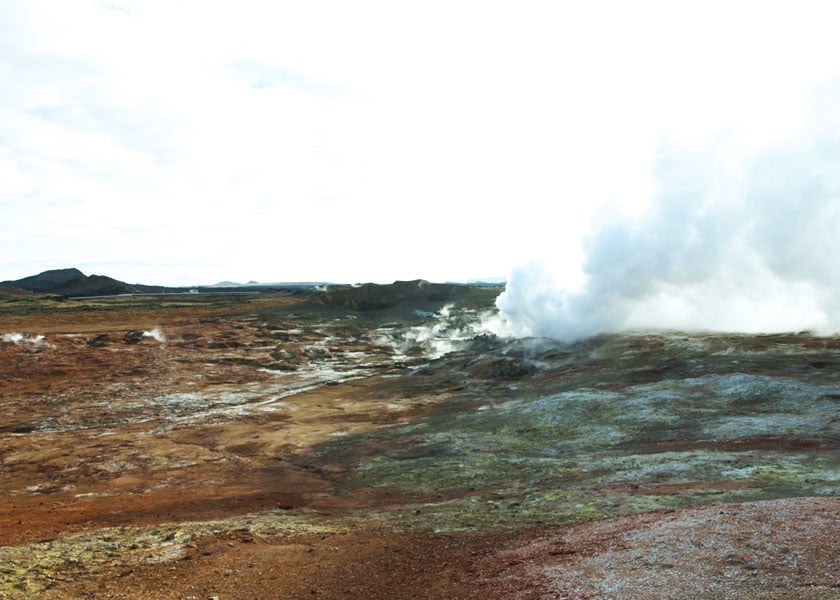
point(370, 140)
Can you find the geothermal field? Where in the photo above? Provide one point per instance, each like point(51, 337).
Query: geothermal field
point(389, 442)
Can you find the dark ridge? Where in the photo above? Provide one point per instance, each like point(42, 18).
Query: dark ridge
point(371, 296)
point(95, 285)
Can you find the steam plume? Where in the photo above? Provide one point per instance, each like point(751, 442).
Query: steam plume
point(747, 243)
point(156, 334)
point(18, 339)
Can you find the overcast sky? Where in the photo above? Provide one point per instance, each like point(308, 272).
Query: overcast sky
point(186, 142)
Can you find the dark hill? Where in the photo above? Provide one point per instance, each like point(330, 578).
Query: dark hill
point(71, 282)
point(47, 281)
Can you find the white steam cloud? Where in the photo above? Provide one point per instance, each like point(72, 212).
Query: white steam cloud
point(730, 241)
point(156, 334)
point(449, 330)
point(18, 339)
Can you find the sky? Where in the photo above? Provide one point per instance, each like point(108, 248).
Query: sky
point(190, 142)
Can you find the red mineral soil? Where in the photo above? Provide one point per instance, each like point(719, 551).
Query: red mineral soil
point(770, 550)
point(167, 448)
point(95, 433)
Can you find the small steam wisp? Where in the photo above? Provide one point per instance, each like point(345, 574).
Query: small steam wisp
point(156, 334)
point(19, 339)
point(450, 330)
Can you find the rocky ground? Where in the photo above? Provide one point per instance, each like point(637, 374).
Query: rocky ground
point(390, 446)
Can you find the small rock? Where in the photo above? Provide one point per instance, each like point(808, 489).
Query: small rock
point(133, 337)
point(98, 341)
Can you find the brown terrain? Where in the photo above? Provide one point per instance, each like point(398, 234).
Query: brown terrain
point(286, 445)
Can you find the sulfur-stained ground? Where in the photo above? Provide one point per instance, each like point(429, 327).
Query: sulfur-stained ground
point(272, 446)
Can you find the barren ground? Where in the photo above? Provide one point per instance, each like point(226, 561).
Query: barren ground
point(265, 446)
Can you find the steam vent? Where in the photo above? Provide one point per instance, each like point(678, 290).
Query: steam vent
point(392, 441)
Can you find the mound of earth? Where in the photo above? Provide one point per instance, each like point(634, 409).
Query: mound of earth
point(8, 293)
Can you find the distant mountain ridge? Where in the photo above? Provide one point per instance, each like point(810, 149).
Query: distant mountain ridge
point(73, 283)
